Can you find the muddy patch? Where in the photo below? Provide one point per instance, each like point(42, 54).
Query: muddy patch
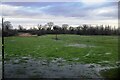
point(79, 45)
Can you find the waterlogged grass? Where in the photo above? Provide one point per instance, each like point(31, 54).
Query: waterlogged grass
point(111, 73)
point(46, 46)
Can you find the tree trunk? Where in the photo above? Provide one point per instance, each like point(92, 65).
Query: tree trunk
point(56, 35)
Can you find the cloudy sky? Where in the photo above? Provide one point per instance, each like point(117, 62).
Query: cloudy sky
point(30, 14)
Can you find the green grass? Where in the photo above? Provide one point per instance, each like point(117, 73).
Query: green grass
point(45, 46)
point(111, 73)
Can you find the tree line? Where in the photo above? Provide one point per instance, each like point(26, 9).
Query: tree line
point(50, 28)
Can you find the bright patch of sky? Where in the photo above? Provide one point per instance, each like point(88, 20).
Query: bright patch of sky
point(29, 14)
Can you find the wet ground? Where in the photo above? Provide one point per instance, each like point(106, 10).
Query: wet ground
point(27, 67)
point(80, 45)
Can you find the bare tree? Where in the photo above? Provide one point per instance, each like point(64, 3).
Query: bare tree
point(7, 25)
point(64, 27)
point(20, 27)
point(50, 24)
point(39, 26)
point(56, 28)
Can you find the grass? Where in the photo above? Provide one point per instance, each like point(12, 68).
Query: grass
point(111, 73)
point(106, 50)
point(45, 46)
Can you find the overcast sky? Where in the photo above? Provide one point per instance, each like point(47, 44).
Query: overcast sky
point(73, 13)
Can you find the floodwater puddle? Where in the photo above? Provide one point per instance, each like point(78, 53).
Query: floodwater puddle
point(80, 45)
point(42, 68)
point(107, 53)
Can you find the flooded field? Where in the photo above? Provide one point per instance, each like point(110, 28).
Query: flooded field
point(57, 68)
point(72, 56)
point(27, 67)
